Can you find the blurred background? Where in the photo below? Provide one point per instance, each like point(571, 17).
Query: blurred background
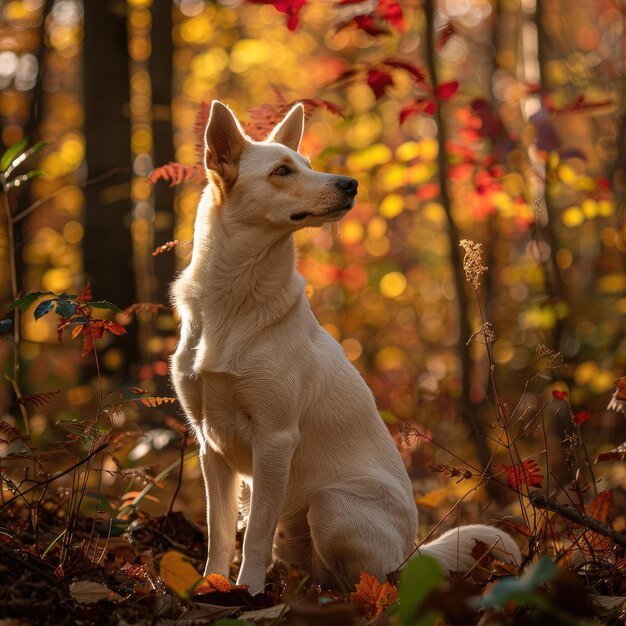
point(497, 121)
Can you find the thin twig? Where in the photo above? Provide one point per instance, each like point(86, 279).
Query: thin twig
point(43, 483)
point(538, 500)
point(180, 474)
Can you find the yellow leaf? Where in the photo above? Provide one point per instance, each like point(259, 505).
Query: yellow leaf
point(433, 499)
point(178, 574)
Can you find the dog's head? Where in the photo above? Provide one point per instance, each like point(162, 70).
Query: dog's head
point(269, 183)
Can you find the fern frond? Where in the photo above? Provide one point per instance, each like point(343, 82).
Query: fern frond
point(170, 245)
point(142, 307)
point(37, 400)
point(155, 401)
point(177, 173)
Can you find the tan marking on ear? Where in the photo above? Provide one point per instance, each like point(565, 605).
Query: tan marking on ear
point(217, 187)
point(224, 143)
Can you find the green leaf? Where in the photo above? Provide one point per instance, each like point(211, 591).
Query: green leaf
point(22, 157)
point(24, 302)
point(43, 308)
point(418, 580)
point(103, 304)
point(522, 589)
point(101, 502)
point(11, 152)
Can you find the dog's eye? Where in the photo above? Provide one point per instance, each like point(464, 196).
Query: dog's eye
point(283, 170)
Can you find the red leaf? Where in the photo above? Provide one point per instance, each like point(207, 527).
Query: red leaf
point(559, 394)
point(414, 70)
point(114, 328)
point(581, 417)
point(367, 24)
point(446, 90)
point(525, 473)
point(444, 34)
point(617, 454)
point(85, 294)
point(431, 107)
point(419, 105)
point(316, 103)
point(391, 12)
point(291, 8)
point(378, 81)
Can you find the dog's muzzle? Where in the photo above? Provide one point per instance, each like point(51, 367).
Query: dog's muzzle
point(348, 186)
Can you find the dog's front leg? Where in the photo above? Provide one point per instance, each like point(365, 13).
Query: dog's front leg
point(271, 460)
point(221, 484)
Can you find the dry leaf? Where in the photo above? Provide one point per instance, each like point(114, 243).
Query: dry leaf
point(88, 592)
point(373, 596)
point(179, 574)
point(212, 583)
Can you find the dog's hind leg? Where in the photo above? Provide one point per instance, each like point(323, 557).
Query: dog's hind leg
point(351, 533)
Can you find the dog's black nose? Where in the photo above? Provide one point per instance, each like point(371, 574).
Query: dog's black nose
point(347, 184)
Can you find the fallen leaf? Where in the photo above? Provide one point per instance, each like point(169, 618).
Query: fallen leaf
point(179, 574)
point(89, 592)
point(211, 583)
point(373, 596)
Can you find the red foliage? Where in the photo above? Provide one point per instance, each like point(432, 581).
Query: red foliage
point(419, 105)
point(444, 34)
point(291, 8)
point(95, 329)
point(86, 293)
point(178, 173)
point(378, 81)
point(525, 473)
point(446, 90)
point(581, 417)
point(374, 22)
point(559, 394)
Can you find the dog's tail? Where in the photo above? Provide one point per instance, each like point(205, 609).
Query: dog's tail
point(453, 550)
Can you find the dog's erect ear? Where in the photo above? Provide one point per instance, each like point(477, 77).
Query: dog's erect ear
point(289, 131)
point(224, 142)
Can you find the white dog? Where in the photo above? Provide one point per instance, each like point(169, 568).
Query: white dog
point(271, 396)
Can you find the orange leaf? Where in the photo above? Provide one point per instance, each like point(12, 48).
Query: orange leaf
point(211, 583)
point(525, 473)
point(599, 507)
point(373, 597)
point(115, 328)
point(77, 330)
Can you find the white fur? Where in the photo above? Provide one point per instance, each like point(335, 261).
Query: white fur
point(271, 396)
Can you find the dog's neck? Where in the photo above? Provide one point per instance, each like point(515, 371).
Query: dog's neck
point(241, 269)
